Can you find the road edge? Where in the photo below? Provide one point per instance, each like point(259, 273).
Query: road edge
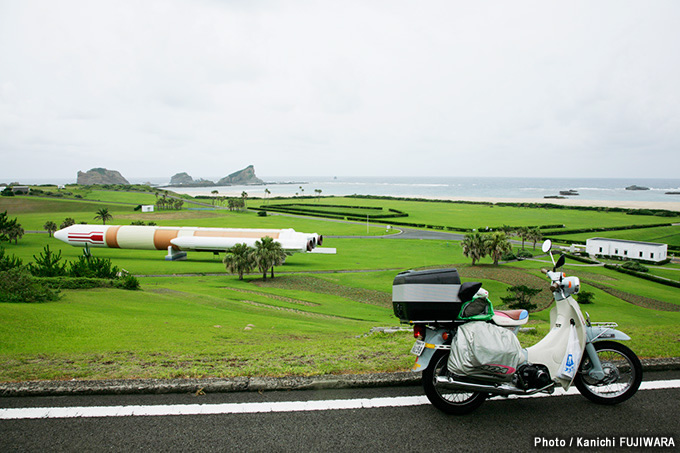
point(238, 384)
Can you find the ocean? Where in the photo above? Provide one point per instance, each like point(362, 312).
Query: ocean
point(464, 187)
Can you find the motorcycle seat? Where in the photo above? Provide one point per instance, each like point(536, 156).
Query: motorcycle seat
point(510, 318)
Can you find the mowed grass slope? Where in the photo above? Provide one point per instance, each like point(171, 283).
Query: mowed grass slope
point(311, 319)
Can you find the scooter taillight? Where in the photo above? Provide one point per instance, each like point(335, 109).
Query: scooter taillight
point(419, 331)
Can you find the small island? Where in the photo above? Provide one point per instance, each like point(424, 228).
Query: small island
point(634, 187)
point(245, 177)
point(570, 192)
point(100, 176)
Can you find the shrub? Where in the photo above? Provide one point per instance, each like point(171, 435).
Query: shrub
point(520, 297)
point(18, 285)
point(93, 267)
point(509, 256)
point(47, 264)
point(7, 262)
point(523, 253)
point(634, 266)
point(128, 282)
point(585, 297)
point(262, 213)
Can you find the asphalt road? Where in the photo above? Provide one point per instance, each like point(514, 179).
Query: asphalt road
point(507, 425)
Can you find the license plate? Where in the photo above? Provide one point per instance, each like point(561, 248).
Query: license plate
point(418, 348)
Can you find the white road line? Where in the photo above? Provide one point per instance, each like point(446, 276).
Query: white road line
point(250, 408)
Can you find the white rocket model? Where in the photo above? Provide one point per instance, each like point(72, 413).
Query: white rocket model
point(177, 240)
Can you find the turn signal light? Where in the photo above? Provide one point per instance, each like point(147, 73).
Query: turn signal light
point(445, 336)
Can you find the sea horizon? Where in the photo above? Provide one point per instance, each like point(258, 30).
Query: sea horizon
point(613, 189)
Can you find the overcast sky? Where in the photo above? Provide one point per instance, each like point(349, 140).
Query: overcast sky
point(347, 88)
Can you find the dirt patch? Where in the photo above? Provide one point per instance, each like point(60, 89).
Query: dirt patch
point(275, 297)
point(292, 310)
point(592, 276)
point(317, 285)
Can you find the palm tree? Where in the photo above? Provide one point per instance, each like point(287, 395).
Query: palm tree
point(279, 256)
point(51, 227)
point(15, 232)
point(523, 233)
point(535, 235)
point(103, 215)
point(244, 196)
point(239, 260)
point(496, 245)
point(473, 247)
point(68, 221)
point(266, 193)
point(268, 253)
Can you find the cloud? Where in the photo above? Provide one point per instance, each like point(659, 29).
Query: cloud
point(328, 88)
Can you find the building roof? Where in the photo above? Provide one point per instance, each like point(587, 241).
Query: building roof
point(658, 244)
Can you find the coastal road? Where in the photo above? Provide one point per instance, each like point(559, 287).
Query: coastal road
point(335, 420)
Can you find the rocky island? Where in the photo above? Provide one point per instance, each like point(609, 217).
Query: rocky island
point(100, 176)
point(245, 177)
point(184, 180)
point(634, 187)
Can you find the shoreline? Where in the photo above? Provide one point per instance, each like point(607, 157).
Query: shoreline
point(627, 204)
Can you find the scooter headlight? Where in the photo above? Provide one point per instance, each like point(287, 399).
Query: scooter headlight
point(571, 285)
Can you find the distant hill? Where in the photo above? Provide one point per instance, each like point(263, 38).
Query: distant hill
point(101, 176)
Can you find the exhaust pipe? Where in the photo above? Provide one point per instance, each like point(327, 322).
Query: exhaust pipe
point(310, 247)
point(494, 389)
point(320, 240)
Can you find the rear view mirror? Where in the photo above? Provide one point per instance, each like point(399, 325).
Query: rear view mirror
point(547, 245)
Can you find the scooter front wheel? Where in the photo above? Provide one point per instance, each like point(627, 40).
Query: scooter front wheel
point(447, 400)
point(622, 374)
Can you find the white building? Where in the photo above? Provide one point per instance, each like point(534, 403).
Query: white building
point(635, 250)
point(147, 208)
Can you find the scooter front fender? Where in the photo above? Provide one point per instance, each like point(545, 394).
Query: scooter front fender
point(600, 333)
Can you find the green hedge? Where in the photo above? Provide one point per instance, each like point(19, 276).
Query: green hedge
point(649, 277)
point(125, 282)
point(655, 212)
point(617, 228)
point(582, 259)
point(313, 210)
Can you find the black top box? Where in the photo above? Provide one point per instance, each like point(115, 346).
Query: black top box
point(430, 295)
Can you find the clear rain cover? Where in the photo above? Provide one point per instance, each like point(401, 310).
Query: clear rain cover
point(483, 349)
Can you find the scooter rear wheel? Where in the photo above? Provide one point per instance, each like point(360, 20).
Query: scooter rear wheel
point(623, 374)
point(447, 400)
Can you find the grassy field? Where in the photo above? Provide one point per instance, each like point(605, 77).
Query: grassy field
point(191, 319)
point(480, 216)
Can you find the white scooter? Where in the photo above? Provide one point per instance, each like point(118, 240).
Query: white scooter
point(435, 303)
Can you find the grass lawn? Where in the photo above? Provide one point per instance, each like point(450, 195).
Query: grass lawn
point(466, 215)
point(311, 319)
